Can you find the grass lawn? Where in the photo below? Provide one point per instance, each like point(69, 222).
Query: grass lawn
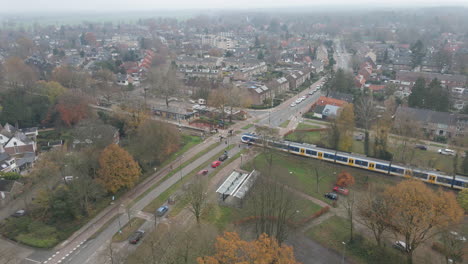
point(220, 216)
point(313, 137)
point(306, 126)
point(335, 230)
point(247, 126)
point(284, 124)
point(128, 229)
point(188, 142)
point(304, 208)
point(300, 173)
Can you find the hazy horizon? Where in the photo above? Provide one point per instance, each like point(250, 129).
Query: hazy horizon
point(109, 6)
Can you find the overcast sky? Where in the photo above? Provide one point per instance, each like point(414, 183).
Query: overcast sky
point(19, 6)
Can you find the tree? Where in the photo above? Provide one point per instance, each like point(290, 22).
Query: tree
point(373, 212)
point(438, 97)
point(153, 142)
point(117, 169)
point(417, 53)
point(345, 125)
point(26, 109)
point(366, 113)
point(219, 100)
point(196, 196)
point(419, 213)
point(72, 108)
point(94, 131)
point(236, 98)
point(71, 78)
point(408, 131)
point(418, 95)
point(164, 83)
point(452, 247)
point(105, 81)
point(18, 74)
point(345, 179)
point(443, 58)
point(349, 206)
point(231, 249)
point(462, 199)
point(51, 89)
point(381, 130)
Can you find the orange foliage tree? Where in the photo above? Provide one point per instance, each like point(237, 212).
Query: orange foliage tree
point(344, 179)
point(231, 249)
point(72, 108)
point(117, 169)
point(419, 213)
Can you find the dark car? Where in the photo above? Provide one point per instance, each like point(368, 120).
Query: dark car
point(162, 210)
point(421, 147)
point(135, 237)
point(223, 157)
point(331, 196)
point(19, 213)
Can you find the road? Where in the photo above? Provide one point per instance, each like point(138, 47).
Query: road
point(341, 57)
point(274, 117)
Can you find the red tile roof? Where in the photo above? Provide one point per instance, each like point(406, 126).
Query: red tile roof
point(330, 101)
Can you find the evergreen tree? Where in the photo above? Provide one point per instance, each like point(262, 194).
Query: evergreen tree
point(418, 94)
point(417, 53)
point(437, 97)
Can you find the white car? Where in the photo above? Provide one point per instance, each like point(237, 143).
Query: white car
point(292, 105)
point(312, 92)
point(447, 152)
point(298, 101)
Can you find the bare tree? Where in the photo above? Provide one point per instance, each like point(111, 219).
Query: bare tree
point(349, 206)
point(164, 82)
point(409, 131)
point(453, 247)
point(197, 197)
point(365, 111)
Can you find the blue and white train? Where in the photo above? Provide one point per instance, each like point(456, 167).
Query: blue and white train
point(360, 161)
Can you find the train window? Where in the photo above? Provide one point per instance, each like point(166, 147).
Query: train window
point(420, 175)
point(372, 165)
point(340, 158)
point(294, 148)
point(361, 162)
point(397, 170)
point(444, 180)
point(381, 167)
point(311, 152)
point(328, 156)
point(458, 183)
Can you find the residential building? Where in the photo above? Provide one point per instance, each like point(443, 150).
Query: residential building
point(9, 189)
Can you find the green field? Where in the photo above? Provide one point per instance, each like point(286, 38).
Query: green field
point(335, 230)
point(313, 137)
point(300, 173)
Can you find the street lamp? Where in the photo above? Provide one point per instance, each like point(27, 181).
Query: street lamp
point(180, 166)
point(344, 250)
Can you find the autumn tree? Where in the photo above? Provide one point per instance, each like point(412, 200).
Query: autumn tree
point(419, 213)
point(117, 169)
point(342, 129)
point(381, 130)
point(345, 179)
point(408, 130)
point(24, 47)
point(164, 83)
point(231, 249)
point(153, 142)
point(373, 212)
point(105, 82)
point(51, 89)
point(366, 113)
point(72, 107)
point(18, 74)
point(71, 78)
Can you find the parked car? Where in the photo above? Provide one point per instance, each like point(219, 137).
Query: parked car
point(202, 172)
point(135, 237)
point(448, 152)
point(341, 190)
point(223, 157)
point(19, 213)
point(312, 92)
point(400, 245)
point(215, 164)
point(331, 196)
point(421, 147)
point(359, 137)
point(162, 210)
point(292, 105)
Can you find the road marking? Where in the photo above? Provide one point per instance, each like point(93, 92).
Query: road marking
point(32, 260)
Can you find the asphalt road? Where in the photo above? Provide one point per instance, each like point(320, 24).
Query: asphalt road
point(341, 57)
point(81, 250)
point(274, 117)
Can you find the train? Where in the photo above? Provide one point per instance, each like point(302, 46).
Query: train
point(359, 161)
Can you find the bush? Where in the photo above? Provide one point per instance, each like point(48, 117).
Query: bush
point(32, 240)
point(10, 175)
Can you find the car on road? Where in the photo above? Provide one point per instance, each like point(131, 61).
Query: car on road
point(19, 213)
point(331, 196)
point(162, 210)
point(136, 237)
point(202, 172)
point(421, 146)
point(312, 92)
point(292, 105)
point(447, 152)
point(215, 164)
point(400, 245)
point(223, 157)
point(341, 190)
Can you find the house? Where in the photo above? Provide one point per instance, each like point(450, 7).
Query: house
point(172, 112)
point(407, 78)
point(297, 78)
point(19, 143)
point(330, 111)
point(433, 122)
point(9, 189)
point(278, 86)
point(7, 162)
point(329, 101)
point(318, 111)
point(259, 94)
point(317, 66)
point(341, 96)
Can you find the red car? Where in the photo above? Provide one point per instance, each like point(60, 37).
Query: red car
point(215, 164)
point(202, 172)
point(341, 190)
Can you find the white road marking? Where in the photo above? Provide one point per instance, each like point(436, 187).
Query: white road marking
point(32, 260)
